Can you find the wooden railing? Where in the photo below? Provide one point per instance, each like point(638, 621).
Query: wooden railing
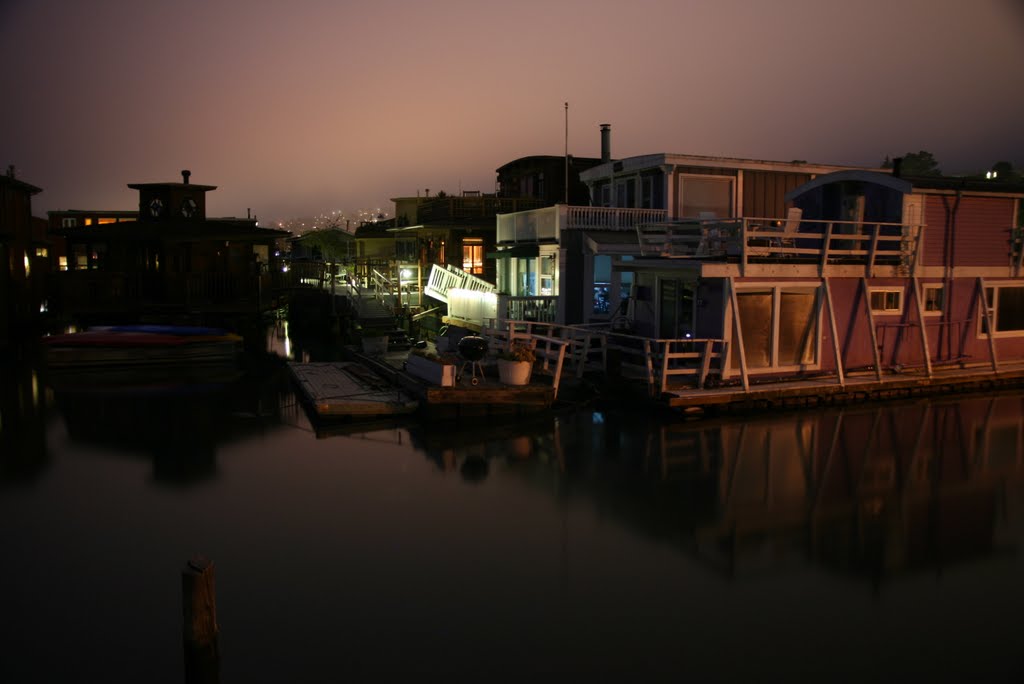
point(662, 363)
point(820, 242)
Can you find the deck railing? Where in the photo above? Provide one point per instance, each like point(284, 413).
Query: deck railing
point(545, 224)
point(662, 363)
point(445, 277)
point(752, 239)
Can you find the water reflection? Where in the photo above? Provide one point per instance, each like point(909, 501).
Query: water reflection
point(23, 399)
point(177, 417)
point(582, 542)
point(870, 491)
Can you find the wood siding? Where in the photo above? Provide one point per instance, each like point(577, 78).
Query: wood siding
point(764, 192)
point(980, 227)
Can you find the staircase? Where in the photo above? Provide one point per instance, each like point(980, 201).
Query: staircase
point(444, 278)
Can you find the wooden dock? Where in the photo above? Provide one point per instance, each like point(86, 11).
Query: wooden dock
point(345, 388)
point(855, 388)
point(488, 397)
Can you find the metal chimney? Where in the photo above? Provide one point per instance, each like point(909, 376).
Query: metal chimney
point(897, 167)
point(606, 142)
point(184, 176)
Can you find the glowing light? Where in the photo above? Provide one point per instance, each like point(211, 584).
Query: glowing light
point(406, 273)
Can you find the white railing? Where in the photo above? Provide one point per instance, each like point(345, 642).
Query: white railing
point(609, 218)
point(529, 226)
point(545, 224)
point(444, 278)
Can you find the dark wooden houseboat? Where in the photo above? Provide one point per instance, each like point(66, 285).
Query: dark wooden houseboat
point(172, 260)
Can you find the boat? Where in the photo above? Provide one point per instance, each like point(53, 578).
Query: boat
point(126, 346)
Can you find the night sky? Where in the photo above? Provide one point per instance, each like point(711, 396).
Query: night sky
point(297, 108)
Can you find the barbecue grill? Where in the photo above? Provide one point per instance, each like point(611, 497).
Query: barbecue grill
point(472, 348)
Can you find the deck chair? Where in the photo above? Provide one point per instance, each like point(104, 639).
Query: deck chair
point(794, 215)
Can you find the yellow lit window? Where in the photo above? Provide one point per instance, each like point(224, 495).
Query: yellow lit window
point(42, 252)
point(88, 221)
point(62, 263)
point(473, 256)
point(106, 220)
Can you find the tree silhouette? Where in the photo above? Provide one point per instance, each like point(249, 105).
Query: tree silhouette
point(921, 163)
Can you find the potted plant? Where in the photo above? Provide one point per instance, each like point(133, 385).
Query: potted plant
point(516, 364)
point(438, 369)
point(375, 341)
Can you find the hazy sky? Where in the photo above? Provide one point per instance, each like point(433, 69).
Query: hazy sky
point(300, 107)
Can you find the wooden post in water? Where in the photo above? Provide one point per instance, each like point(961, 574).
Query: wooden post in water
point(199, 626)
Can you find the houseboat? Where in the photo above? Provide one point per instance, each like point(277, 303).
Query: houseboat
point(783, 271)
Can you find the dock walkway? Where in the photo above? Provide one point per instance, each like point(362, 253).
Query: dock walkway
point(856, 388)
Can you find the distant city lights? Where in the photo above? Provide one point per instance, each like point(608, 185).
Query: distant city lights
point(336, 219)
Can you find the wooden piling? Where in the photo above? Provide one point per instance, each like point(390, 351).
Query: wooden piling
point(199, 625)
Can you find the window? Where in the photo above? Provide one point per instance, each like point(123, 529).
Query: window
point(473, 256)
point(886, 301)
point(407, 249)
point(625, 193)
point(934, 297)
point(704, 195)
point(647, 192)
point(602, 284)
point(1006, 309)
point(68, 222)
point(42, 252)
point(779, 328)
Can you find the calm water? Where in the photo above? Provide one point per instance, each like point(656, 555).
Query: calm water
point(871, 544)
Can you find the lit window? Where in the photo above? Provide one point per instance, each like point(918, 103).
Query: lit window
point(62, 263)
point(473, 256)
point(887, 301)
point(42, 252)
point(88, 221)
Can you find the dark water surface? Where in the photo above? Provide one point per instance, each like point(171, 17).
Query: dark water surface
point(876, 543)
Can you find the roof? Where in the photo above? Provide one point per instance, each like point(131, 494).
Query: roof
point(20, 185)
point(190, 186)
point(522, 161)
point(183, 230)
point(965, 184)
point(908, 184)
point(650, 161)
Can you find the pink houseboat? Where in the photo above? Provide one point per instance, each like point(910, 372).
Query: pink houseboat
point(866, 272)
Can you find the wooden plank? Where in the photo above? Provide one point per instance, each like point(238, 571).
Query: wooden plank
point(835, 333)
point(924, 331)
point(871, 327)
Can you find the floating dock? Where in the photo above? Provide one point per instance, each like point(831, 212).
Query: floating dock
point(343, 388)
point(856, 388)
